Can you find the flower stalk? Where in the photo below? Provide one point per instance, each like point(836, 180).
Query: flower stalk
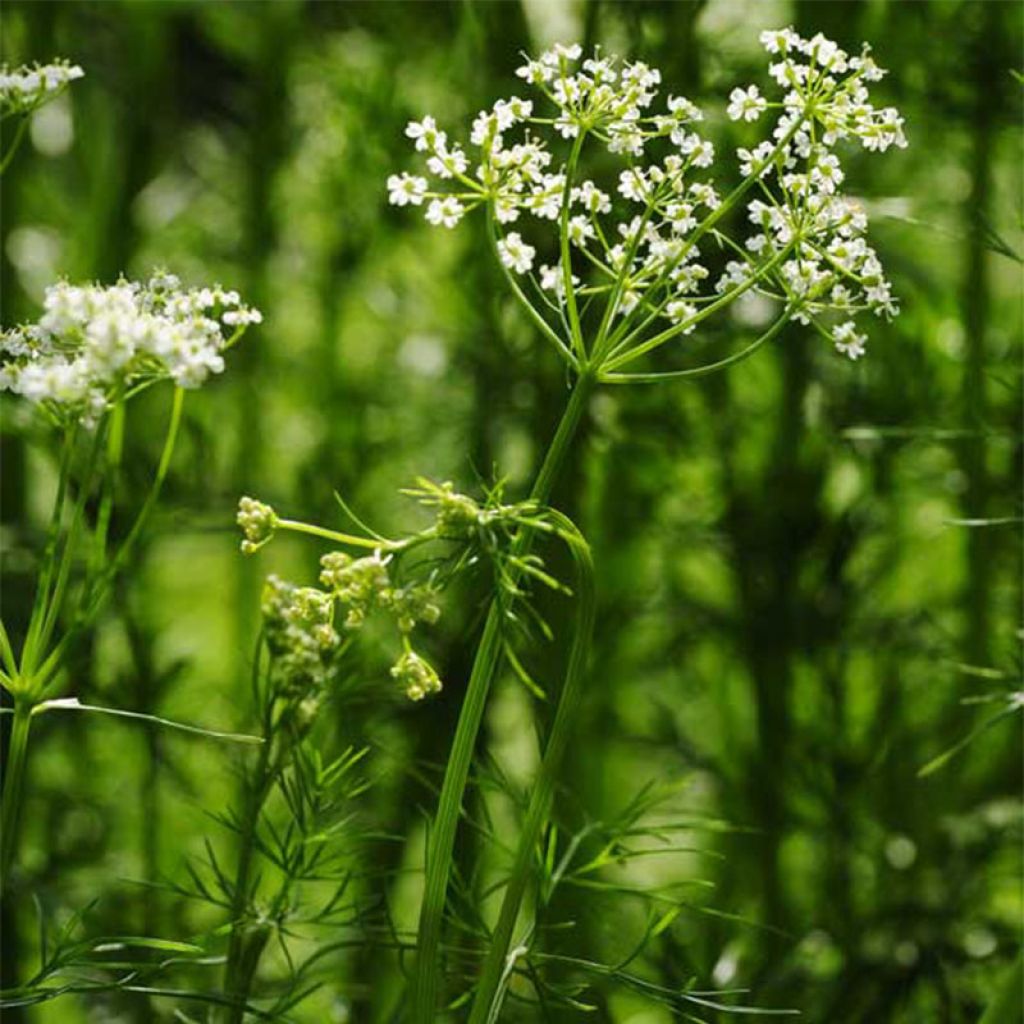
point(14, 771)
point(425, 982)
point(489, 992)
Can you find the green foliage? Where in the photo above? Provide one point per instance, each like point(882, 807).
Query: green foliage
point(807, 610)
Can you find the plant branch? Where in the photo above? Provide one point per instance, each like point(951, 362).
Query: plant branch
point(425, 981)
point(487, 1003)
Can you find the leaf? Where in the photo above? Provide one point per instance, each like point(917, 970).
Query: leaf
point(665, 920)
point(74, 704)
point(947, 755)
point(974, 523)
point(522, 675)
point(981, 671)
point(109, 945)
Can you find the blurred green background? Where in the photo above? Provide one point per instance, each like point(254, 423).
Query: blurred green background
point(806, 567)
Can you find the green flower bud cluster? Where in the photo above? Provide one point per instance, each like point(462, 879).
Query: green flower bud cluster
point(362, 585)
point(459, 518)
point(416, 676)
point(357, 584)
point(458, 515)
point(412, 604)
point(299, 627)
point(300, 620)
point(258, 522)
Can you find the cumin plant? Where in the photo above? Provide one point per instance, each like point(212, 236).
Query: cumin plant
point(304, 646)
point(93, 350)
point(627, 280)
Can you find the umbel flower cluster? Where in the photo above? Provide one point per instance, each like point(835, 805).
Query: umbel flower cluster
point(307, 628)
point(622, 253)
point(94, 343)
point(26, 88)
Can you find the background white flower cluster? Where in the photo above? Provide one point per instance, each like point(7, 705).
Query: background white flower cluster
point(94, 342)
point(28, 87)
point(632, 244)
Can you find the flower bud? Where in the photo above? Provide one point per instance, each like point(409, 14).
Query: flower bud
point(258, 522)
point(416, 676)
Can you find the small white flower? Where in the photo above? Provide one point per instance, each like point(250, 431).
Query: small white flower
point(580, 229)
point(515, 253)
point(553, 280)
point(446, 163)
point(736, 274)
point(632, 185)
point(683, 109)
point(566, 126)
point(560, 52)
point(705, 195)
point(822, 102)
point(780, 40)
point(404, 188)
point(747, 104)
point(848, 341)
point(680, 215)
point(92, 342)
point(445, 212)
point(424, 133)
point(592, 198)
point(536, 72)
point(678, 311)
point(545, 201)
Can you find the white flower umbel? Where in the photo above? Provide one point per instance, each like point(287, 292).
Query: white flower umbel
point(26, 88)
point(93, 343)
point(627, 275)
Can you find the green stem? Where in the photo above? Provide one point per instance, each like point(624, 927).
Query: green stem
point(425, 982)
point(543, 326)
point(296, 526)
point(487, 1003)
point(19, 134)
point(702, 229)
point(14, 772)
point(115, 450)
point(240, 967)
point(93, 599)
point(56, 600)
point(566, 252)
point(613, 360)
point(708, 368)
point(118, 561)
point(48, 563)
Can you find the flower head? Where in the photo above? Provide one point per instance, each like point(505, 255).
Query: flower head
point(631, 241)
point(27, 88)
point(258, 522)
point(94, 342)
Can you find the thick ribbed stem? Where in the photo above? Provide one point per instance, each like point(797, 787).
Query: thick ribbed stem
point(426, 975)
